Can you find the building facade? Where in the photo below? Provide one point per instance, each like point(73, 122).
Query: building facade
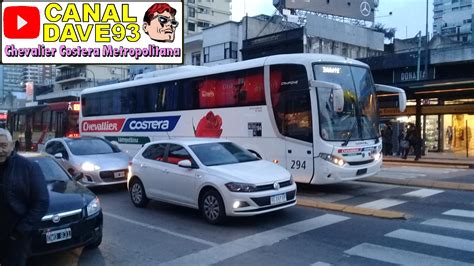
point(201, 14)
point(72, 79)
point(453, 18)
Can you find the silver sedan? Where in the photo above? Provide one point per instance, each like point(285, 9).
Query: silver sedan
point(99, 161)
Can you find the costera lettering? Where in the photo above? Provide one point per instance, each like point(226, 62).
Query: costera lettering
point(147, 125)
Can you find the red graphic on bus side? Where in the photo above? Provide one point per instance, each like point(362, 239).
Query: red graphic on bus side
point(209, 126)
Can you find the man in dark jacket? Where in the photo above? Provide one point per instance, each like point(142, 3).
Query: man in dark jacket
point(24, 200)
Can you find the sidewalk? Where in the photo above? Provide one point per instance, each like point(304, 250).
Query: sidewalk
point(443, 158)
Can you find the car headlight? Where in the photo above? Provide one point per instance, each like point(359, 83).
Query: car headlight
point(241, 187)
point(93, 207)
point(333, 159)
point(89, 167)
point(292, 180)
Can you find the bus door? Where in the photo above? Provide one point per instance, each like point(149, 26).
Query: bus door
point(296, 119)
point(59, 125)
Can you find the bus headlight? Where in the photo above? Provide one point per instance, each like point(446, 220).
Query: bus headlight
point(333, 159)
point(377, 156)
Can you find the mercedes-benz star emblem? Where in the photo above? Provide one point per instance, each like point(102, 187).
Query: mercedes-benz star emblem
point(56, 219)
point(276, 186)
point(365, 9)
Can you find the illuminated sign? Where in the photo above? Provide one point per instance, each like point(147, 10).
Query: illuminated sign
point(3, 116)
point(331, 70)
point(88, 32)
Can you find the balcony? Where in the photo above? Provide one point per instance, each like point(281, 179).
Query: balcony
point(71, 76)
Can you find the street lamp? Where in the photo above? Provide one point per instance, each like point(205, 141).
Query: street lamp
point(93, 76)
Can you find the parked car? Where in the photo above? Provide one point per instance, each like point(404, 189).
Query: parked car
point(74, 216)
point(101, 162)
point(213, 175)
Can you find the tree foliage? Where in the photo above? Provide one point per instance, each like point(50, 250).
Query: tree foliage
point(389, 33)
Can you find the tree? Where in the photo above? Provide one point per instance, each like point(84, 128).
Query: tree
point(389, 33)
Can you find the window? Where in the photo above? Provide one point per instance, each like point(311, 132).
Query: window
point(196, 59)
point(230, 50)
point(221, 51)
point(204, 24)
point(155, 152)
point(191, 1)
point(191, 12)
point(177, 153)
point(191, 26)
point(291, 101)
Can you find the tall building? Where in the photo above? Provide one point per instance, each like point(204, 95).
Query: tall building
point(453, 18)
point(12, 79)
point(201, 14)
point(39, 74)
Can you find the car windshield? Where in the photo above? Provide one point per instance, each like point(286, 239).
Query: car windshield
point(90, 146)
point(211, 154)
point(51, 169)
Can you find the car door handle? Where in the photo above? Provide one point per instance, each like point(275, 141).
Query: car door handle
point(164, 171)
point(143, 166)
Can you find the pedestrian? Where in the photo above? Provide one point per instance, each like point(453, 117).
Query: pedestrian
point(24, 200)
point(414, 140)
point(387, 139)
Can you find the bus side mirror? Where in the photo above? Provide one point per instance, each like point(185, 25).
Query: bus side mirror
point(337, 92)
point(402, 97)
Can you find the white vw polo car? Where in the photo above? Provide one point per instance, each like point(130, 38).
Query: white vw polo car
point(213, 175)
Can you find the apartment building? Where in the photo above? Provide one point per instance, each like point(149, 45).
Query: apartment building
point(201, 14)
point(453, 18)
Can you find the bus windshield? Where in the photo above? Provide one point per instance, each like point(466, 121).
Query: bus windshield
point(358, 120)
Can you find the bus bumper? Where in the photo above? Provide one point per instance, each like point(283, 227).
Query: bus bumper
point(329, 173)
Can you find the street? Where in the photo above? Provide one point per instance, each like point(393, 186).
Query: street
point(438, 229)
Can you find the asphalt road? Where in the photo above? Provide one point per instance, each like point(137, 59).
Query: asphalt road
point(439, 229)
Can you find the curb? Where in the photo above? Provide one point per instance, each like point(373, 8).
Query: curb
point(306, 202)
point(458, 164)
point(420, 183)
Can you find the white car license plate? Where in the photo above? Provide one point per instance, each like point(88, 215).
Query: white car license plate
point(58, 235)
point(278, 199)
point(119, 174)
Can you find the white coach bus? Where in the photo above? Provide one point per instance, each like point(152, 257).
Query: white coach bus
point(316, 115)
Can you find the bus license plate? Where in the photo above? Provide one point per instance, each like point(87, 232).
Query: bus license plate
point(119, 174)
point(58, 235)
point(278, 199)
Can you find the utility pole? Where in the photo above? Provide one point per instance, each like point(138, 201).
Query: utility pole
point(426, 44)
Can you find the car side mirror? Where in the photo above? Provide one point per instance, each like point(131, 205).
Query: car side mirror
point(58, 155)
point(78, 176)
point(337, 92)
point(185, 164)
point(402, 97)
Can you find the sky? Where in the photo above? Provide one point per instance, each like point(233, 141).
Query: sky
point(408, 16)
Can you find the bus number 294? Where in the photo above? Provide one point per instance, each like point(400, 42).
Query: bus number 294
point(297, 164)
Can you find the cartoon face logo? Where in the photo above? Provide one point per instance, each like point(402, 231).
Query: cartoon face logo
point(159, 22)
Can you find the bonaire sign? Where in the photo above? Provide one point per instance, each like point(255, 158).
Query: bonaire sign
point(92, 32)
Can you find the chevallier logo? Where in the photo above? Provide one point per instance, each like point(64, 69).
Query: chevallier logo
point(109, 125)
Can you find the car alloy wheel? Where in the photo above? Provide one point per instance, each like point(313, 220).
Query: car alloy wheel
point(137, 194)
point(212, 207)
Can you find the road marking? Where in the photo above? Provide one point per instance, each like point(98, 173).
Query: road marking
point(399, 175)
point(399, 257)
point(423, 193)
point(433, 239)
point(320, 263)
point(450, 224)
point(460, 213)
point(381, 204)
point(163, 230)
point(234, 248)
